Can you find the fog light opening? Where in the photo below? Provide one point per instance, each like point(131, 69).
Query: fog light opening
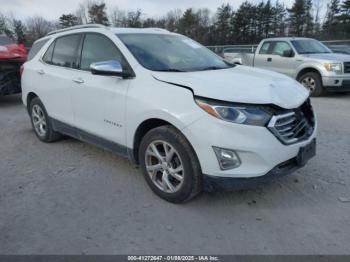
point(228, 159)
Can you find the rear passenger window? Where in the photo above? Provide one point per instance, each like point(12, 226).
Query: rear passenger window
point(66, 51)
point(36, 48)
point(98, 48)
point(48, 55)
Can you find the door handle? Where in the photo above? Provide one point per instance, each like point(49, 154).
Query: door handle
point(40, 71)
point(78, 80)
point(269, 59)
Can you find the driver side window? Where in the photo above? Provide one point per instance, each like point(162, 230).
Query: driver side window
point(280, 48)
point(98, 48)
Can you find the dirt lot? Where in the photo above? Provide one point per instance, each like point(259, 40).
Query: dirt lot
point(73, 198)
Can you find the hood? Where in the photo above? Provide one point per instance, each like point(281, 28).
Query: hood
point(329, 57)
point(240, 84)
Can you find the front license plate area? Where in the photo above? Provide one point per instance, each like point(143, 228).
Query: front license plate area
point(306, 153)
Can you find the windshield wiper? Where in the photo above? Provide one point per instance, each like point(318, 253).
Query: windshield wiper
point(213, 68)
point(169, 70)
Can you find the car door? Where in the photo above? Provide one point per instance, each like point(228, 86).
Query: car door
point(55, 71)
point(99, 101)
point(280, 63)
point(263, 58)
point(271, 57)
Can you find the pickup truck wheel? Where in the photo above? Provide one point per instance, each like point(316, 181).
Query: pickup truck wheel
point(41, 122)
point(170, 165)
point(312, 81)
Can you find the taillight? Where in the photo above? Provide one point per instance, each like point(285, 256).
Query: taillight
point(21, 69)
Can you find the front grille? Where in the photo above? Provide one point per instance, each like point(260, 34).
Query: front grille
point(347, 67)
point(294, 125)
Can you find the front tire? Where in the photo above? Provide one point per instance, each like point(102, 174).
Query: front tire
point(313, 82)
point(169, 165)
point(41, 122)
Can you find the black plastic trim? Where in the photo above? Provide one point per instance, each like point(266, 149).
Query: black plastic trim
point(345, 87)
point(213, 183)
point(90, 138)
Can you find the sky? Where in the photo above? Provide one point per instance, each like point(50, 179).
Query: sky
point(51, 9)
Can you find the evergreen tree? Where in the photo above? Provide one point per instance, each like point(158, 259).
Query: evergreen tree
point(68, 20)
point(247, 23)
point(267, 19)
point(188, 23)
point(330, 24)
point(345, 7)
point(309, 20)
point(344, 19)
point(345, 12)
point(223, 24)
point(97, 14)
point(297, 17)
point(278, 19)
point(19, 31)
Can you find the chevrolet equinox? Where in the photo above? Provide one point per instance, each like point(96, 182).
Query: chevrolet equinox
point(190, 120)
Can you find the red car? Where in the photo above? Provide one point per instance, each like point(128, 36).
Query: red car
point(12, 56)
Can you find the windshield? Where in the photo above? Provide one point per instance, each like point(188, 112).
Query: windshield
point(173, 53)
point(309, 46)
point(5, 40)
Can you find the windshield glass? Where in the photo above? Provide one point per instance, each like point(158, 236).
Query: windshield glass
point(5, 40)
point(309, 46)
point(174, 53)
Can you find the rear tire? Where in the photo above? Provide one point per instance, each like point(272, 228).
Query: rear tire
point(163, 151)
point(41, 122)
point(313, 82)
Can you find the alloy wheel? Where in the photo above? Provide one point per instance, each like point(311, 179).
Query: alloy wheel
point(164, 166)
point(39, 120)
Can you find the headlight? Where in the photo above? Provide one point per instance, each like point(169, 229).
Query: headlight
point(334, 67)
point(236, 113)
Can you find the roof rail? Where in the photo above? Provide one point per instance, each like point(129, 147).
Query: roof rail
point(156, 29)
point(77, 27)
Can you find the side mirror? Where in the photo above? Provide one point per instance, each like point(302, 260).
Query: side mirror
point(288, 53)
point(109, 68)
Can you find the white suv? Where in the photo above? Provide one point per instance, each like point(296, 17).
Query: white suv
point(190, 120)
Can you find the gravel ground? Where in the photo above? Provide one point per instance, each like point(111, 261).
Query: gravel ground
point(73, 198)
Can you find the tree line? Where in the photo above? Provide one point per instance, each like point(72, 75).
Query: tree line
point(247, 24)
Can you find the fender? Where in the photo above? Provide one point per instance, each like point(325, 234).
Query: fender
point(309, 65)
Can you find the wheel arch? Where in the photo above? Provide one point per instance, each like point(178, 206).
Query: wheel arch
point(143, 128)
point(308, 70)
point(30, 97)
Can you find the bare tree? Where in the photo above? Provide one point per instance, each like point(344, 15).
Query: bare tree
point(38, 27)
point(83, 11)
point(134, 18)
point(118, 17)
point(172, 20)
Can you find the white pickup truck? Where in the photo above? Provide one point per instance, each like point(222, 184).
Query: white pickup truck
point(304, 59)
